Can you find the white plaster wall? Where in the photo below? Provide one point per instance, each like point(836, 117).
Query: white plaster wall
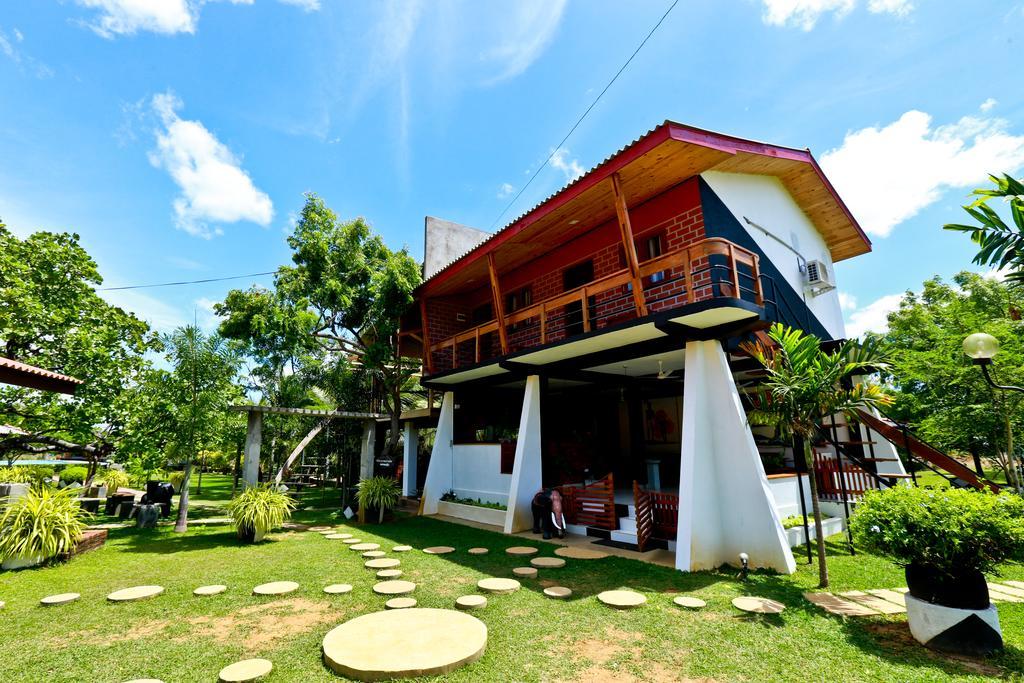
point(526, 472)
point(439, 471)
point(725, 503)
point(787, 495)
point(764, 200)
point(477, 473)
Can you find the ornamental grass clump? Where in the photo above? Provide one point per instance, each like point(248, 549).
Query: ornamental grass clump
point(43, 523)
point(16, 475)
point(259, 509)
point(114, 480)
point(381, 493)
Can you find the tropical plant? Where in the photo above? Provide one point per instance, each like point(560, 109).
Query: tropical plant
point(176, 479)
point(16, 475)
point(804, 386)
point(999, 245)
point(258, 509)
point(42, 523)
point(382, 493)
point(75, 474)
point(114, 480)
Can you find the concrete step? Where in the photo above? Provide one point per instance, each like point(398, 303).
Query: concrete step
point(627, 524)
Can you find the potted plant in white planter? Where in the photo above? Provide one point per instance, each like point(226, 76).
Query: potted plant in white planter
point(380, 494)
point(947, 539)
point(259, 509)
point(42, 523)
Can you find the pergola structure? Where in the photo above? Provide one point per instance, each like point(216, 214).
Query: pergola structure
point(254, 436)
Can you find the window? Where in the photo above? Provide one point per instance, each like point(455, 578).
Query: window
point(520, 298)
point(653, 250)
point(482, 314)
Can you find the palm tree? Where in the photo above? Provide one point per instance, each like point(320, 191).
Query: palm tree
point(804, 386)
point(999, 245)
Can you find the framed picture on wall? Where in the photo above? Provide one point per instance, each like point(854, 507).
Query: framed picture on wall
point(662, 419)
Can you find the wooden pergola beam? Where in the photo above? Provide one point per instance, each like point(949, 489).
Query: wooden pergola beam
point(626, 230)
point(499, 304)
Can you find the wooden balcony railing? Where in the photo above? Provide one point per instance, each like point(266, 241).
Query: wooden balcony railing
point(709, 269)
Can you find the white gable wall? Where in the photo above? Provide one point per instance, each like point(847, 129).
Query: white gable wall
point(764, 200)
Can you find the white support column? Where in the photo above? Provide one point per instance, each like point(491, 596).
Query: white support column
point(253, 441)
point(411, 445)
point(526, 471)
point(725, 504)
point(439, 470)
point(367, 449)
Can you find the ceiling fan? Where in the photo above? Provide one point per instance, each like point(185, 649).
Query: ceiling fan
point(662, 372)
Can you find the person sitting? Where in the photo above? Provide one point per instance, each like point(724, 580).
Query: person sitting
point(547, 513)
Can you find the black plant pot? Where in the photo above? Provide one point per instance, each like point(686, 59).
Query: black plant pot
point(966, 590)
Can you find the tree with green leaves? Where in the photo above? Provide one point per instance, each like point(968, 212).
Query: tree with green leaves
point(1000, 245)
point(52, 317)
point(804, 386)
point(935, 387)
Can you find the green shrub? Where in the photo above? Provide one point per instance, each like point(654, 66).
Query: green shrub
point(382, 493)
point(259, 509)
point(176, 479)
point(42, 473)
point(42, 523)
point(952, 530)
point(74, 474)
point(114, 479)
point(794, 521)
point(16, 475)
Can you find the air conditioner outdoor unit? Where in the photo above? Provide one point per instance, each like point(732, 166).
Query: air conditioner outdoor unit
point(817, 279)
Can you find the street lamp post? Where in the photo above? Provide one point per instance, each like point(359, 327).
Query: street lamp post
point(981, 348)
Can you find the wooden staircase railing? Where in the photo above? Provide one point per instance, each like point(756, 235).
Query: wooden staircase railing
point(657, 515)
point(590, 504)
point(644, 516)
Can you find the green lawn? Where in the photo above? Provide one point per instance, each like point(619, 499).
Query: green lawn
point(178, 637)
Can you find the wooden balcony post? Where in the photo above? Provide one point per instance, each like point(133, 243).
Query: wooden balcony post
point(758, 293)
point(499, 303)
point(690, 296)
point(629, 245)
point(735, 272)
point(543, 323)
point(586, 309)
point(428, 354)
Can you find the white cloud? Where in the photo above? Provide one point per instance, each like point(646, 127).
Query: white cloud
point(307, 5)
point(847, 302)
point(161, 316)
point(206, 318)
point(872, 318)
point(214, 187)
point(169, 17)
point(900, 8)
point(989, 104)
point(889, 174)
point(805, 14)
point(24, 62)
point(526, 35)
point(570, 167)
point(506, 190)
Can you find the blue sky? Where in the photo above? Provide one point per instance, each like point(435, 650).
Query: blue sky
point(177, 137)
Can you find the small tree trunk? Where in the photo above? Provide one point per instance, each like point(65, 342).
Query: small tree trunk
point(816, 508)
point(181, 526)
point(380, 516)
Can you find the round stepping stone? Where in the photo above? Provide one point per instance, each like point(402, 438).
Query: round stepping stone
point(352, 541)
point(338, 588)
point(144, 680)
point(689, 602)
point(558, 592)
point(135, 593)
point(210, 590)
point(382, 563)
point(400, 603)
point(385, 574)
point(547, 562)
point(59, 599)
point(404, 643)
point(521, 550)
point(622, 599)
point(758, 605)
point(478, 551)
point(275, 588)
point(471, 602)
point(525, 572)
point(394, 587)
point(245, 670)
point(402, 548)
point(580, 553)
point(360, 547)
point(439, 550)
point(371, 554)
point(337, 537)
point(498, 585)
point(321, 528)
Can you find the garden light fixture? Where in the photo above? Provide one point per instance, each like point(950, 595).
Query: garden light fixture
point(981, 348)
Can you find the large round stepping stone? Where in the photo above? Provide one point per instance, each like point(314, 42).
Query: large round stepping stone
point(404, 643)
point(478, 551)
point(439, 550)
point(338, 588)
point(275, 588)
point(371, 554)
point(352, 541)
point(59, 599)
point(360, 547)
point(135, 593)
point(321, 528)
point(558, 592)
point(401, 548)
point(210, 590)
point(385, 574)
point(525, 572)
point(580, 553)
point(471, 602)
point(382, 563)
point(622, 599)
point(400, 603)
point(498, 585)
point(757, 605)
point(394, 587)
point(689, 602)
point(337, 537)
point(547, 562)
point(521, 550)
point(245, 670)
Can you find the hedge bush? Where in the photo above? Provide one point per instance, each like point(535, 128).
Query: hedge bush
point(74, 474)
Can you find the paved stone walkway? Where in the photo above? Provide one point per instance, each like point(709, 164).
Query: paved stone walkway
point(891, 601)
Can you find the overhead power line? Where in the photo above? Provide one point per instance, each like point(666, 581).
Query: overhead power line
point(187, 282)
point(597, 99)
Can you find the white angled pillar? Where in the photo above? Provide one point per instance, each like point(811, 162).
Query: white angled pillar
point(526, 470)
point(439, 470)
point(253, 441)
point(410, 449)
point(725, 504)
